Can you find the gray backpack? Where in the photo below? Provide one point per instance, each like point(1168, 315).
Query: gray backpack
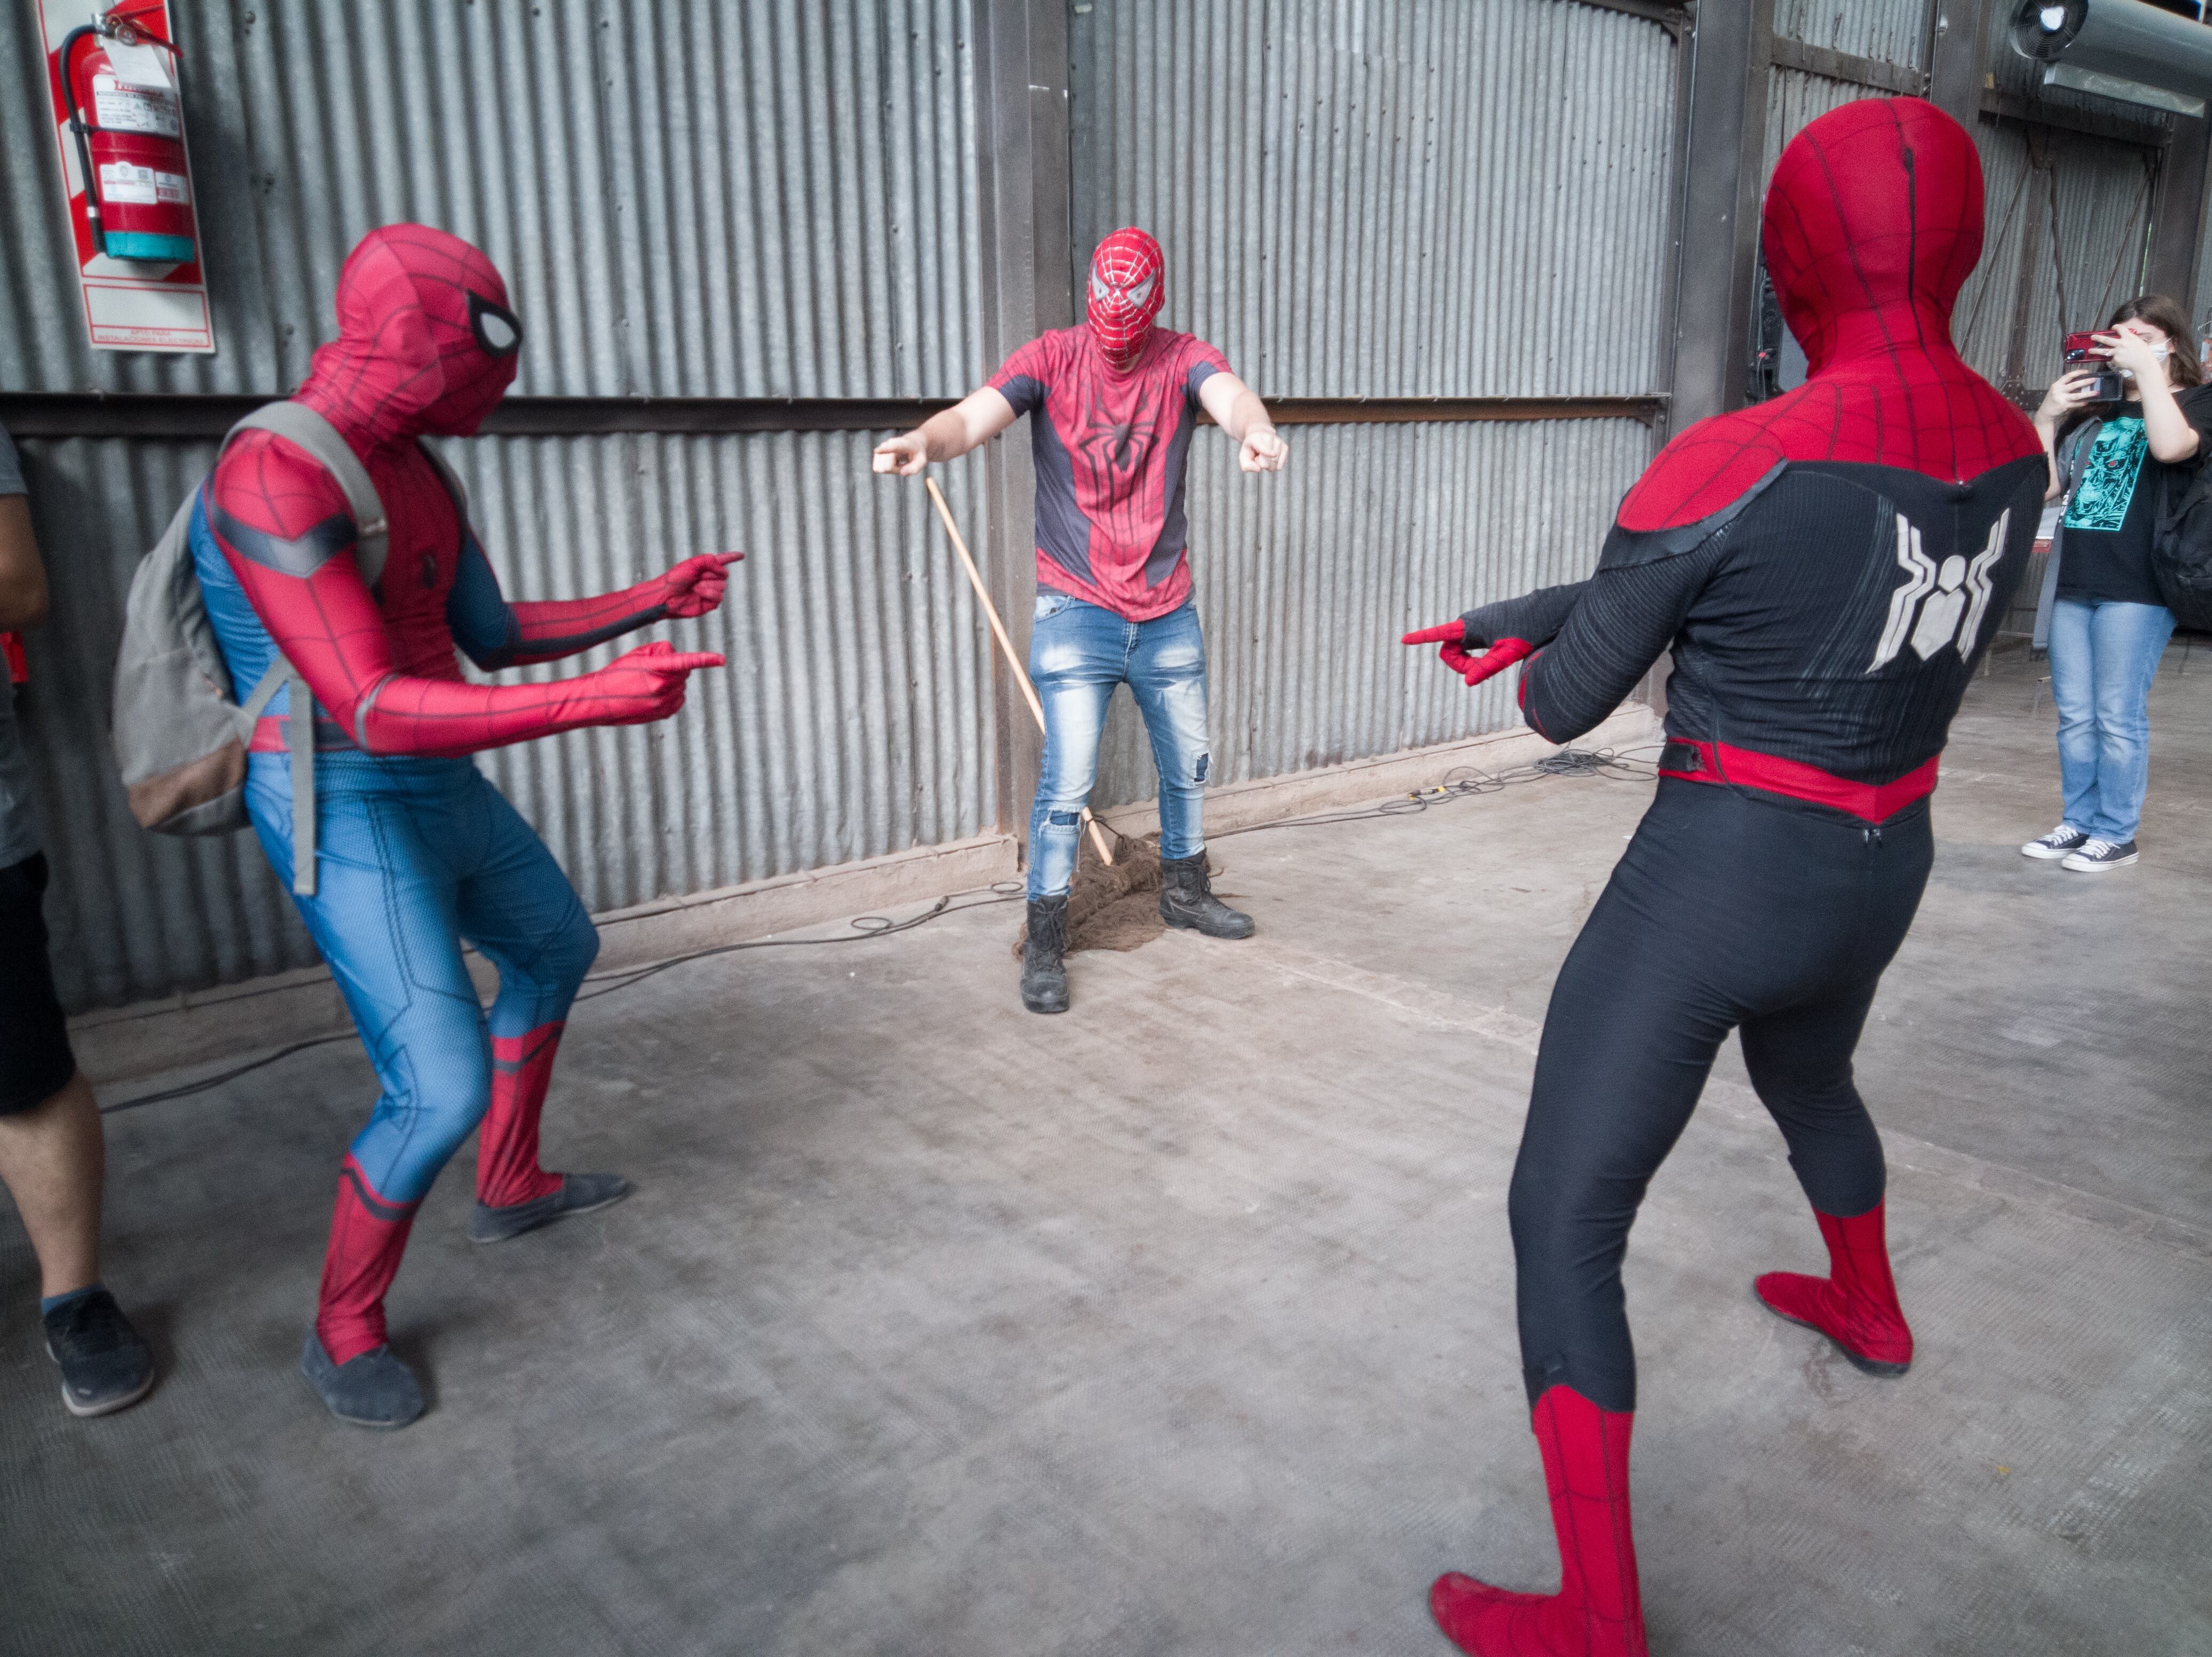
point(179, 731)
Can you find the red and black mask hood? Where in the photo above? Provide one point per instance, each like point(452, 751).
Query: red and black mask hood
point(427, 343)
point(1873, 221)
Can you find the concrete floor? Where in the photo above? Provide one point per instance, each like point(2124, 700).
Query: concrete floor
point(1184, 1323)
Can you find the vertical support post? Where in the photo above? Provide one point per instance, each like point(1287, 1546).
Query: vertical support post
point(1022, 83)
point(1958, 33)
point(1730, 46)
point(1720, 110)
point(2176, 214)
point(1751, 196)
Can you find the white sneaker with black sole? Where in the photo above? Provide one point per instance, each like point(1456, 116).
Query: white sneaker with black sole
point(2098, 855)
point(2056, 844)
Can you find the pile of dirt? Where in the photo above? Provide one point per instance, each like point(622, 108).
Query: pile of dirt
point(1116, 907)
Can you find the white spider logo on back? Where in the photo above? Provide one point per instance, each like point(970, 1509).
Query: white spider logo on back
point(1951, 591)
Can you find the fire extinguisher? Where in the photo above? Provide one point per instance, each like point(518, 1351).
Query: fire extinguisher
point(137, 194)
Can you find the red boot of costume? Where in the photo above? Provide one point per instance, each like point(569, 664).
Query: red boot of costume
point(367, 1237)
point(345, 1359)
point(1856, 1305)
point(513, 1194)
point(1598, 1612)
point(507, 1148)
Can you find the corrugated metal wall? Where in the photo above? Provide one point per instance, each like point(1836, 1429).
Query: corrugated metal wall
point(688, 197)
point(1309, 577)
point(1389, 197)
point(2104, 192)
point(2103, 186)
point(1377, 197)
point(1888, 31)
point(853, 718)
point(1382, 198)
point(702, 199)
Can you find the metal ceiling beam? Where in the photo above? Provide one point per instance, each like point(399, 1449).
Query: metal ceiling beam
point(1869, 72)
point(203, 416)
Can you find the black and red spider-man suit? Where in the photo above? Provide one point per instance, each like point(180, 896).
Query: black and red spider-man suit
point(415, 849)
point(1827, 567)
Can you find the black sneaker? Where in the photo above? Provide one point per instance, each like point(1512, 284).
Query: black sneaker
point(2098, 855)
point(105, 1366)
point(2056, 844)
point(579, 1194)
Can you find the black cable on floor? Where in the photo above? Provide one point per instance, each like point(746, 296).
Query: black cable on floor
point(1462, 782)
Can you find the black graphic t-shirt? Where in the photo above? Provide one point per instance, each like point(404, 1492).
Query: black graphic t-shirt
point(2113, 509)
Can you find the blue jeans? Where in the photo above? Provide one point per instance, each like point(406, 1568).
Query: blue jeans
point(1078, 654)
point(2103, 657)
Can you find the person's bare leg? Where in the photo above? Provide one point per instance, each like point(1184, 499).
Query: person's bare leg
point(53, 1159)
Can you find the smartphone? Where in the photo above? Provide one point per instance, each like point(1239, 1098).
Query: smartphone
point(2083, 351)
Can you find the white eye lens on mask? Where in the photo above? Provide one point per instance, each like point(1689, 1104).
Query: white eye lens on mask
point(1142, 291)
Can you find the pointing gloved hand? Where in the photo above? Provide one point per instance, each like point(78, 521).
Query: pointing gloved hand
point(642, 685)
point(1454, 644)
point(1505, 633)
point(695, 587)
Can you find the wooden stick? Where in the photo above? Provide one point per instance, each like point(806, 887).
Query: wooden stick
point(1006, 645)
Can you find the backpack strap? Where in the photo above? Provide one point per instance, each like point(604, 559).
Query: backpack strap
point(2071, 448)
point(298, 424)
point(300, 733)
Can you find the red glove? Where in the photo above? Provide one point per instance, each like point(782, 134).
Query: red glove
point(1451, 639)
point(695, 587)
point(647, 683)
point(403, 715)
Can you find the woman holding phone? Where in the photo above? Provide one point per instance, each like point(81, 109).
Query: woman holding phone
point(2101, 612)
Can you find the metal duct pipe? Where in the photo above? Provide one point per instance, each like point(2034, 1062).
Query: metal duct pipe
point(2120, 49)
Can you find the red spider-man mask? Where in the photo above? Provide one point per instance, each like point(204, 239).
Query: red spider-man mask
point(1128, 284)
point(1873, 221)
point(425, 342)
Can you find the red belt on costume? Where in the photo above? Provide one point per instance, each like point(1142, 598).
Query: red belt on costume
point(1707, 761)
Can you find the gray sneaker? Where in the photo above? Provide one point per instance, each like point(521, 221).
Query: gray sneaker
point(370, 1389)
point(2098, 855)
point(105, 1366)
point(579, 1194)
point(2056, 844)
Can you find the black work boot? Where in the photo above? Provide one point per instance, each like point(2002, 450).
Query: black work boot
point(1186, 900)
point(1044, 975)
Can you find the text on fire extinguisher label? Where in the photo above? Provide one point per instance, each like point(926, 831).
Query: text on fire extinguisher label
point(120, 181)
point(123, 108)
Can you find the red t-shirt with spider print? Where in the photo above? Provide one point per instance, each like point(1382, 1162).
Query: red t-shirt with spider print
point(1111, 447)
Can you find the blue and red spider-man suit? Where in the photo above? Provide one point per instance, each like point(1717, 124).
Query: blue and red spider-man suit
point(415, 850)
point(1827, 567)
